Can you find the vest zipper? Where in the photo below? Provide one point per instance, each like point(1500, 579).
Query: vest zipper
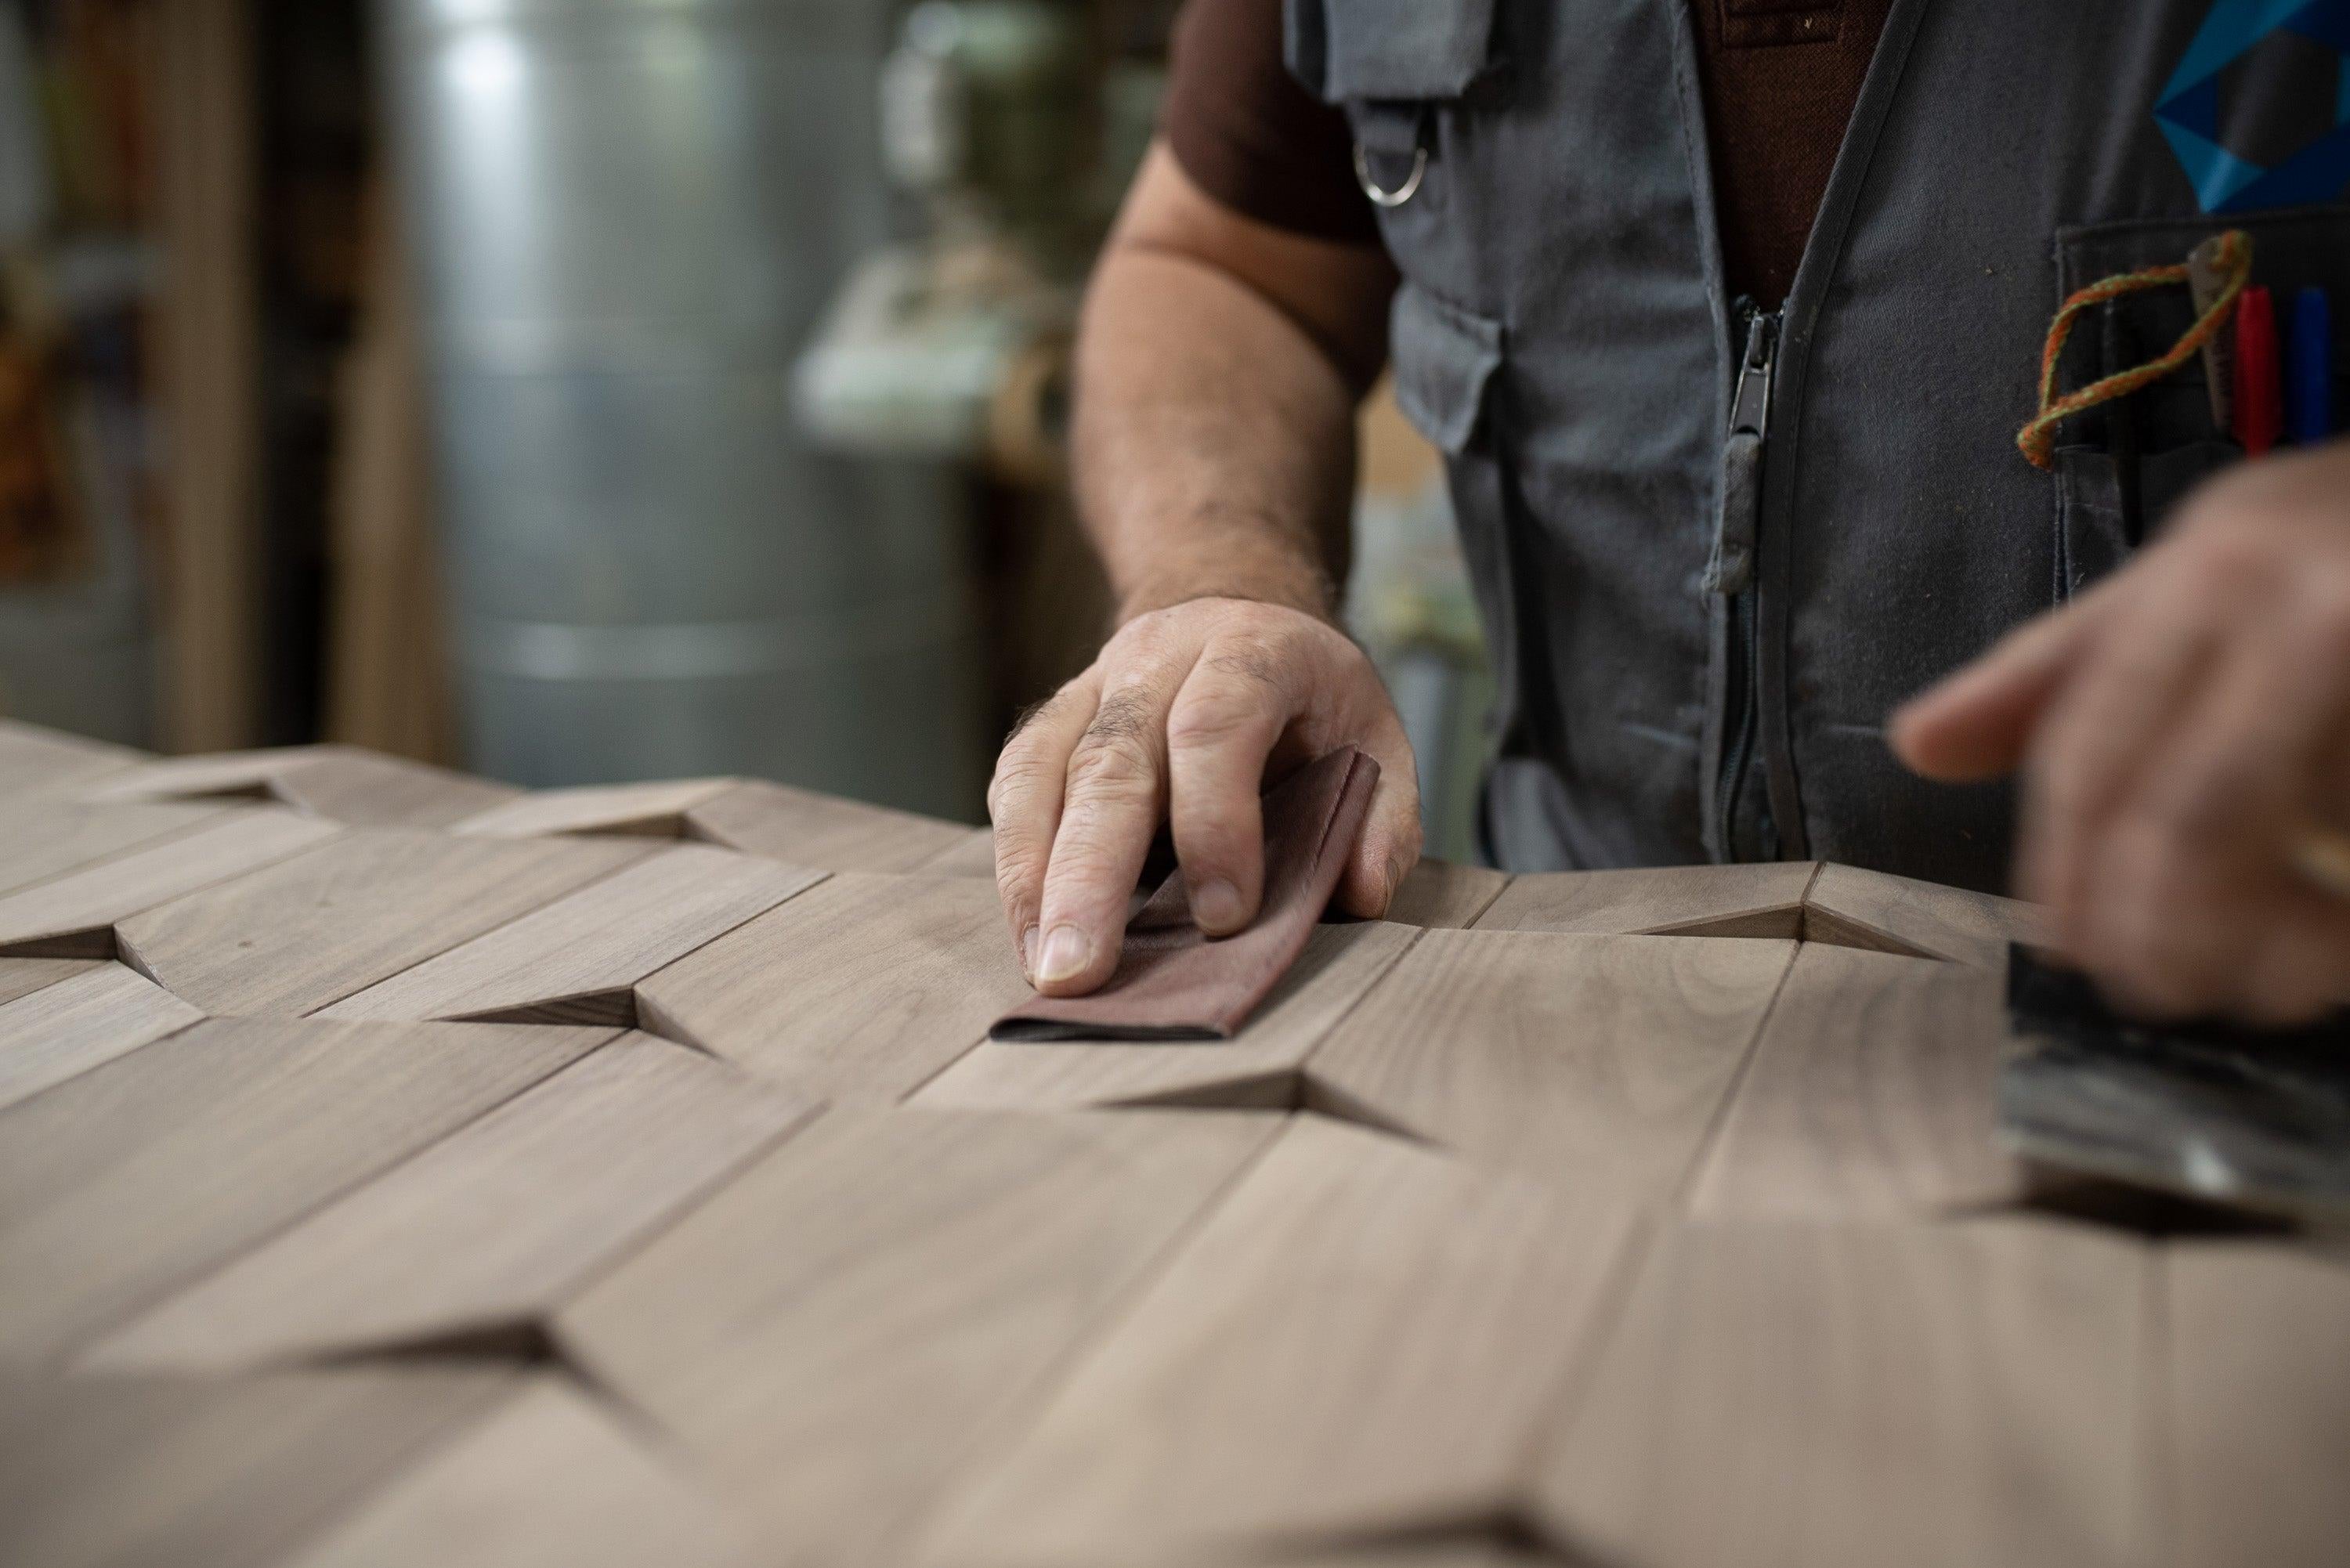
point(1731, 571)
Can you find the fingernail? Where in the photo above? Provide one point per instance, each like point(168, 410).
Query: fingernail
point(1063, 955)
point(1028, 953)
point(1217, 906)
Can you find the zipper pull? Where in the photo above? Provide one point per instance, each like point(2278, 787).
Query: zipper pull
point(1730, 569)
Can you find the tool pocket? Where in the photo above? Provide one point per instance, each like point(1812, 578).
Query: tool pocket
point(2122, 468)
point(1446, 363)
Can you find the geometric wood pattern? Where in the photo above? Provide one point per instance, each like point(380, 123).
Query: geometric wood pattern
point(1509, 1231)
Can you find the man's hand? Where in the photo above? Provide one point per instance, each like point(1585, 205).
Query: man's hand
point(1182, 718)
point(2183, 729)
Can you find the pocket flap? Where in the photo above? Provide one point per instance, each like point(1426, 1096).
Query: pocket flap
point(1351, 50)
point(1444, 357)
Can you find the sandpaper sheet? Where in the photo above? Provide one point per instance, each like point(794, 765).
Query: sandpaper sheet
point(1175, 982)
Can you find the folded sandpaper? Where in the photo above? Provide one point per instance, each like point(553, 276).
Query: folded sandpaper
point(1173, 980)
point(2255, 1119)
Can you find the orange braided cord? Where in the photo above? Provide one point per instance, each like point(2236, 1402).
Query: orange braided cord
point(2038, 440)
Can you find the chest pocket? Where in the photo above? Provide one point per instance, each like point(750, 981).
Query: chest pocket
point(2122, 469)
point(1405, 71)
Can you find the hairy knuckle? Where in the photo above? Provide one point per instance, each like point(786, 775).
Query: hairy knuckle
point(1115, 765)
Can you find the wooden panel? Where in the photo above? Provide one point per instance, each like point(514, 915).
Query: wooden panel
point(41, 838)
point(577, 961)
point(869, 1305)
point(1818, 1396)
point(105, 1471)
point(1573, 1057)
point(75, 915)
point(1363, 1338)
point(73, 1025)
point(1257, 1068)
point(315, 928)
point(483, 1235)
point(1764, 900)
point(342, 783)
point(2258, 1385)
point(547, 1479)
point(860, 988)
point(633, 810)
point(821, 830)
point(34, 758)
point(22, 977)
point(119, 1184)
point(1871, 1092)
point(972, 856)
point(1439, 894)
point(1870, 909)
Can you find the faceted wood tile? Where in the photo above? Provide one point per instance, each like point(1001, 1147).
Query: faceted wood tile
point(579, 960)
point(312, 930)
point(1758, 901)
point(22, 977)
point(1819, 1397)
point(62, 1030)
point(481, 1236)
point(633, 810)
point(823, 831)
point(860, 988)
point(2257, 1383)
point(42, 838)
point(1578, 1058)
point(548, 1478)
point(342, 783)
point(1439, 894)
point(870, 1306)
point(201, 1474)
point(33, 758)
point(972, 856)
point(1257, 1068)
point(1871, 1093)
point(74, 914)
point(1870, 909)
point(1365, 1337)
point(125, 1181)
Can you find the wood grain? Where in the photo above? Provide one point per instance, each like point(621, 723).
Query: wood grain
point(1861, 908)
point(35, 758)
point(1755, 900)
point(974, 854)
point(1578, 1058)
point(1871, 1093)
point(22, 977)
point(75, 915)
point(860, 988)
point(577, 960)
point(1439, 894)
point(96, 1471)
point(343, 783)
point(630, 810)
point(1260, 1067)
point(1821, 1397)
point(822, 831)
point(483, 1235)
point(546, 1478)
point(869, 1307)
point(312, 930)
point(1262, 1391)
point(79, 1022)
point(2257, 1385)
point(42, 838)
point(122, 1183)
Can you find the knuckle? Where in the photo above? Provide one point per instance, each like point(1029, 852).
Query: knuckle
point(1213, 717)
point(1115, 765)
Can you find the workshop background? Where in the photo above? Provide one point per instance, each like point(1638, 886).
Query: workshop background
point(584, 390)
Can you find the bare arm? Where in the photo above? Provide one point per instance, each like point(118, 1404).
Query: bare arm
point(1218, 364)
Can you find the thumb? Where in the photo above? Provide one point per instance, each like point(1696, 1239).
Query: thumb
point(1975, 724)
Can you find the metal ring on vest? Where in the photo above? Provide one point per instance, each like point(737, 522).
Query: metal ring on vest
point(1401, 193)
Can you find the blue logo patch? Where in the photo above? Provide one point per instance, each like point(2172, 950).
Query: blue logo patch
point(2189, 110)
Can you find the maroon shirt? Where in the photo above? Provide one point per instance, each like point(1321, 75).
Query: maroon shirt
point(1779, 79)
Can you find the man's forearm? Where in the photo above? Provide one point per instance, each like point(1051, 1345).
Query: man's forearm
point(1214, 441)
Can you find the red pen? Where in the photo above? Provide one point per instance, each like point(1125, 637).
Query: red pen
point(2259, 391)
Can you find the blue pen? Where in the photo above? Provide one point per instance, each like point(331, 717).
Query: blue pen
point(2309, 369)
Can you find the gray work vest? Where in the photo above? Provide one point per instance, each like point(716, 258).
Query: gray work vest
point(1699, 635)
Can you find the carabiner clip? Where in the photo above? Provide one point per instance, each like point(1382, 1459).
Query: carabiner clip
point(1401, 193)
